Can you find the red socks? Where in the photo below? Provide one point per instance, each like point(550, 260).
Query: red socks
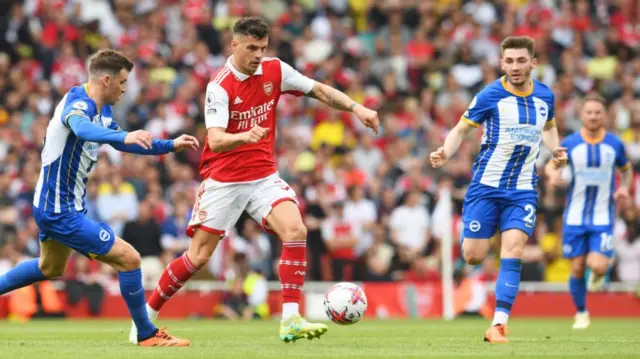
point(173, 278)
point(292, 268)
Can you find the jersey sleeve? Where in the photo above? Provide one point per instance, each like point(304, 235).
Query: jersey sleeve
point(552, 108)
point(113, 125)
point(479, 109)
point(621, 157)
point(77, 107)
point(293, 82)
point(216, 106)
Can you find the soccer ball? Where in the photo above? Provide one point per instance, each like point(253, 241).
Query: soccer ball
point(345, 303)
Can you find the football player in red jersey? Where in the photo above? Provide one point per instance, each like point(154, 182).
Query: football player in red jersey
point(239, 168)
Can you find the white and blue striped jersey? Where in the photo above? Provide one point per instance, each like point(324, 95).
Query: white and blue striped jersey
point(513, 125)
point(66, 159)
point(591, 176)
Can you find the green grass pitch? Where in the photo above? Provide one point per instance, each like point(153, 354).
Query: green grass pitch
point(98, 339)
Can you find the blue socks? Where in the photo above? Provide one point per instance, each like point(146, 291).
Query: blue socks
point(133, 294)
point(507, 286)
point(25, 273)
point(578, 289)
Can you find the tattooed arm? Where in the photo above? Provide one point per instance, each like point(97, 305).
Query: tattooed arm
point(340, 101)
point(332, 97)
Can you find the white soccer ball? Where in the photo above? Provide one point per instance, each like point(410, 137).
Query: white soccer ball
point(345, 303)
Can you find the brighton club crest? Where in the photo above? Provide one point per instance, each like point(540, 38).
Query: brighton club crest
point(268, 88)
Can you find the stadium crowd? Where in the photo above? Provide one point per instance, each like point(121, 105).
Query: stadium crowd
point(372, 204)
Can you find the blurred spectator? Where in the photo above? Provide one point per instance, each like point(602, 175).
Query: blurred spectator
point(255, 245)
point(557, 268)
point(627, 246)
point(235, 304)
point(247, 297)
point(360, 212)
point(174, 238)
point(117, 202)
point(341, 238)
point(409, 225)
point(85, 282)
point(144, 235)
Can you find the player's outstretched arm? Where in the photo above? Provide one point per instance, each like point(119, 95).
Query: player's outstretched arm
point(84, 129)
point(340, 101)
point(622, 194)
point(159, 147)
point(451, 144)
point(551, 139)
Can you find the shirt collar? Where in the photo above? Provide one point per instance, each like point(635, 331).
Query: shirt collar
point(239, 75)
point(503, 81)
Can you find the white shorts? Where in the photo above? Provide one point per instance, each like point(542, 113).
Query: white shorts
point(219, 205)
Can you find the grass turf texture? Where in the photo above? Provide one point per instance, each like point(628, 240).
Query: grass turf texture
point(97, 339)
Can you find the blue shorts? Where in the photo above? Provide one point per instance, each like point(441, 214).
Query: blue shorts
point(76, 231)
point(581, 240)
point(486, 209)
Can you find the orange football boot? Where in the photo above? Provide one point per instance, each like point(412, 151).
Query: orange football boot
point(163, 339)
point(496, 334)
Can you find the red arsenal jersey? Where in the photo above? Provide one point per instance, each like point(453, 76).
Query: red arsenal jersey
point(237, 102)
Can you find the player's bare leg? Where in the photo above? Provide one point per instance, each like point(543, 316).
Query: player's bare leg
point(124, 258)
point(599, 265)
point(285, 220)
point(475, 250)
point(178, 272)
point(507, 284)
point(578, 290)
point(54, 257)
point(51, 264)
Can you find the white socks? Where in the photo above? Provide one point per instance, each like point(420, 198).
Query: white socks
point(288, 310)
point(153, 315)
point(500, 318)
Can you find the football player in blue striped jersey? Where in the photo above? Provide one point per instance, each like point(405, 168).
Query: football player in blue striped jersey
point(517, 115)
point(81, 123)
point(594, 155)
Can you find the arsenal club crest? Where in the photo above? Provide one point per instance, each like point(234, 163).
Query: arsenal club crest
point(268, 88)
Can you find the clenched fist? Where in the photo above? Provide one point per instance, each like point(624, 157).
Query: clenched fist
point(368, 117)
point(255, 134)
point(560, 157)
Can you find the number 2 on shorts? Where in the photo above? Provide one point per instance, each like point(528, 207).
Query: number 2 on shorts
point(529, 218)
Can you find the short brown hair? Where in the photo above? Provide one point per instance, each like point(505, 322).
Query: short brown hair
point(110, 61)
point(595, 97)
point(519, 42)
point(253, 26)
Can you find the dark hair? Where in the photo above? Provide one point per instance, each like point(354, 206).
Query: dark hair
point(519, 42)
point(594, 97)
point(254, 26)
point(110, 61)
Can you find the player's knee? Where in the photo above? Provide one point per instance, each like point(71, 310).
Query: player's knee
point(599, 268)
point(52, 270)
point(294, 232)
point(598, 264)
point(131, 260)
point(512, 247)
point(473, 256)
point(474, 251)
